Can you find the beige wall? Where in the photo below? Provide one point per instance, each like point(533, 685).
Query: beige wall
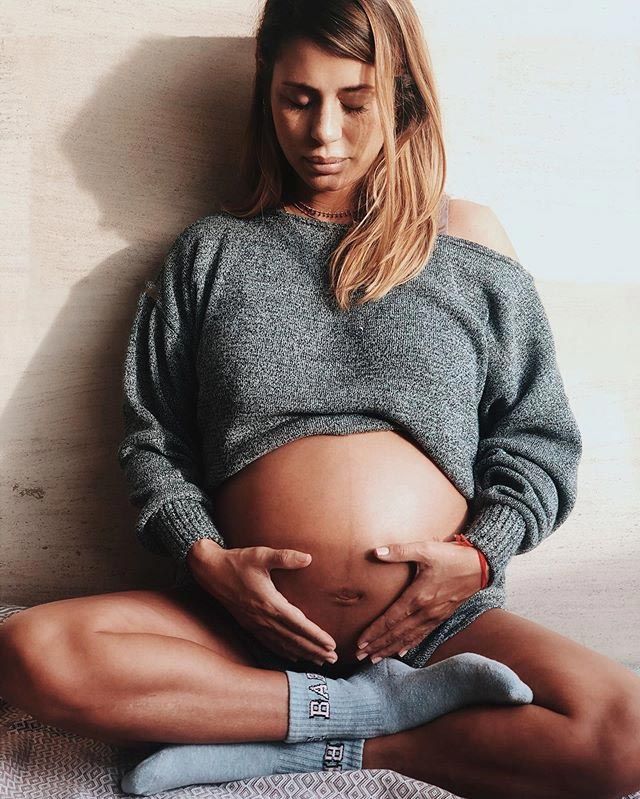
point(119, 126)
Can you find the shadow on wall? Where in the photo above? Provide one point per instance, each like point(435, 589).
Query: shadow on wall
point(156, 146)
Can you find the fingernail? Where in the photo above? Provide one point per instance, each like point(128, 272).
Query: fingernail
point(382, 551)
point(361, 655)
point(363, 644)
point(376, 659)
point(332, 658)
point(404, 652)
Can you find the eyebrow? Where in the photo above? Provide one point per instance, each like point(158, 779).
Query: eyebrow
point(357, 88)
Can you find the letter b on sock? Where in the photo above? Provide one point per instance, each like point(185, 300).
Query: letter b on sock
point(333, 754)
point(320, 708)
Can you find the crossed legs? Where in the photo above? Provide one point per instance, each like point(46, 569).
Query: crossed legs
point(141, 667)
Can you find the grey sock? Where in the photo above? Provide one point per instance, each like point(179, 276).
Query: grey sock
point(390, 696)
point(189, 764)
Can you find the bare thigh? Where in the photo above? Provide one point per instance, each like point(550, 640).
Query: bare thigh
point(188, 613)
point(564, 676)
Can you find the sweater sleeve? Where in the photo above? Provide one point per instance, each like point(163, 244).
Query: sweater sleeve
point(160, 453)
point(525, 471)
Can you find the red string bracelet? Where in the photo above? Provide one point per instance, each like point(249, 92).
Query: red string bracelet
point(459, 538)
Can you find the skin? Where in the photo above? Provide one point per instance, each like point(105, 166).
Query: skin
point(328, 125)
point(135, 667)
point(334, 506)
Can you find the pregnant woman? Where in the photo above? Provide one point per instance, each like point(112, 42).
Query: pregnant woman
point(342, 361)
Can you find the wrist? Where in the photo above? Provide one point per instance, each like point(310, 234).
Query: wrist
point(204, 550)
point(485, 568)
point(480, 561)
point(472, 570)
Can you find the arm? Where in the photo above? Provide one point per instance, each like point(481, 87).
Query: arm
point(160, 451)
point(525, 472)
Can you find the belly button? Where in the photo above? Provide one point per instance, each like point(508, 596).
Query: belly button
point(347, 595)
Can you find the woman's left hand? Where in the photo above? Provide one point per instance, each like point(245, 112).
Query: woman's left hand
point(447, 574)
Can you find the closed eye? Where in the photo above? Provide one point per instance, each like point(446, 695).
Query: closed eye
point(296, 107)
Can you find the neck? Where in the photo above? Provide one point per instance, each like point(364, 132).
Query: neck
point(323, 202)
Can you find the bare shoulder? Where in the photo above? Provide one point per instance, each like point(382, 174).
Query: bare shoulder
point(478, 223)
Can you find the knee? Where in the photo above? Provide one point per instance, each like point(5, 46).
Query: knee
point(610, 764)
point(38, 670)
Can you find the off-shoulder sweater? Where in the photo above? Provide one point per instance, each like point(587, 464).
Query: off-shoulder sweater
point(238, 347)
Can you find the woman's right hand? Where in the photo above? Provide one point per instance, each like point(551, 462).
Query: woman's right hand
point(240, 579)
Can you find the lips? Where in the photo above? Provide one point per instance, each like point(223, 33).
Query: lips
point(317, 160)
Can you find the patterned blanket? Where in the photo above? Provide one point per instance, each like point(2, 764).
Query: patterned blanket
point(38, 761)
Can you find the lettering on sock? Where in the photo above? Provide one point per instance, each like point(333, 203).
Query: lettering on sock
point(321, 690)
point(333, 754)
point(319, 708)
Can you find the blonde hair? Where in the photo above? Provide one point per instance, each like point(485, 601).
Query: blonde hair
point(398, 199)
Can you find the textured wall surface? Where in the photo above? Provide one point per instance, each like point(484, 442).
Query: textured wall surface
point(120, 125)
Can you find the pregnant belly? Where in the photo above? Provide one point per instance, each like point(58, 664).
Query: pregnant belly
point(337, 498)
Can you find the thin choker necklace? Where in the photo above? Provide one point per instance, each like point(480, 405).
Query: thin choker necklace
point(316, 212)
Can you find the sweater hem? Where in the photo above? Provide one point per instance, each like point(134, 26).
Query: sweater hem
point(336, 424)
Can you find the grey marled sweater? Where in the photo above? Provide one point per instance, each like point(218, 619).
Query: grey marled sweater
point(237, 348)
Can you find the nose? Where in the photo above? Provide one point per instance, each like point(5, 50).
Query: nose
point(326, 125)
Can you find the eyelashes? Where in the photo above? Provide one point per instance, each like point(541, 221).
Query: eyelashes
point(296, 107)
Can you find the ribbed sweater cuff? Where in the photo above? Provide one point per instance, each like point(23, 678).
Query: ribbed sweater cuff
point(497, 531)
point(181, 522)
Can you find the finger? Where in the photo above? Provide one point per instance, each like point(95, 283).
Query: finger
point(394, 634)
point(284, 558)
point(402, 608)
point(402, 647)
point(295, 620)
point(404, 637)
point(301, 645)
point(276, 644)
point(411, 550)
